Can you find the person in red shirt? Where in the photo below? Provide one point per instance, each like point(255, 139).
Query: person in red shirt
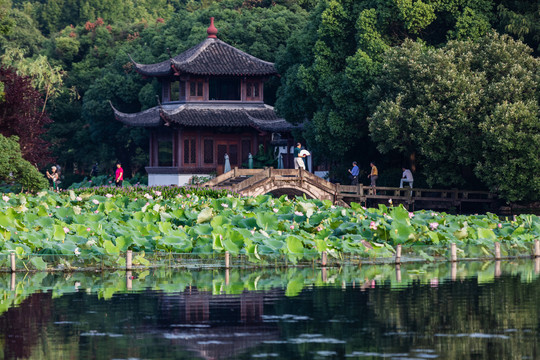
point(119, 178)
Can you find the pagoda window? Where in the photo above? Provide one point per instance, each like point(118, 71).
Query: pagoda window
point(177, 90)
point(165, 150)
point(224, 88)
point(253, 90)
point(208, 151)
point(190, 151)
point(196, 89)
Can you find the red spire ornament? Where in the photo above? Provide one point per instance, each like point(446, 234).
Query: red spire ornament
point(212, 30)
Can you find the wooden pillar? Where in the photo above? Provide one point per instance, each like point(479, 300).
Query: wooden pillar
point(536, 248)
point(453, 252)
point(398, 254)
point(497, 250)
point(324, 258)
point(398, 273)
point(227, 260)
point(129, 259)
point(12, 261)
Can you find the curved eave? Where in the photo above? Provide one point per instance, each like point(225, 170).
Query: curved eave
point(147, 118)
point(158, 69)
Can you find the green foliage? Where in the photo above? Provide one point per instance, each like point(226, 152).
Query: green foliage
point(101, 223)
point(14, 169)
point(466, 105)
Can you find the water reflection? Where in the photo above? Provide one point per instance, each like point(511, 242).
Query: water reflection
point(485, 310)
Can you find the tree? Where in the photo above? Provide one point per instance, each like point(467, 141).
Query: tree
point(46, 79)
point(14, 169)
point(21, 115)
point(469, 110)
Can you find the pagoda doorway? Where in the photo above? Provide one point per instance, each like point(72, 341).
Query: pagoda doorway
point(229, 147)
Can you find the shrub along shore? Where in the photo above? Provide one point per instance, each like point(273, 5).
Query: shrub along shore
point(77, 228)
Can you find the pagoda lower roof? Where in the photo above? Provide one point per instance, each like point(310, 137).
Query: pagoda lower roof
point(259, 116)
point(210, 57)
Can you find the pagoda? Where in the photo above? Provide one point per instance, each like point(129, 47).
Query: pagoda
point(211, 106)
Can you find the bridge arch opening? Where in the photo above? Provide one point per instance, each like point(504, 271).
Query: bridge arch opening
point(290, 192)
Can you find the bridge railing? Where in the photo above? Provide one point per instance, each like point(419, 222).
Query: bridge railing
point(410, 194)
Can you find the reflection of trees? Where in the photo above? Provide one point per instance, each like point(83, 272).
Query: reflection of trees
point(23, 327)
point(462, 319)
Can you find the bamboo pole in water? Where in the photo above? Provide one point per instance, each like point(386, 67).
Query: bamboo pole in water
point(497, 250)
point(324, 258)
point(536, 248)
point(227, 260)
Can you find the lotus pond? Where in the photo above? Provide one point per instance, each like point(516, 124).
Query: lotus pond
point(164, 226)
point(466, 310)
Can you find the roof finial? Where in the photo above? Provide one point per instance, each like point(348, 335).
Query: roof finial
point(212, 30)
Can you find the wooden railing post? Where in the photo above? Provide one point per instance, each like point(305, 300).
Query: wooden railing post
point(453, 252)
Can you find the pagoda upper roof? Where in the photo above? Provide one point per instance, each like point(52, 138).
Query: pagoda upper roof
point(258, 116)
point(210, 57)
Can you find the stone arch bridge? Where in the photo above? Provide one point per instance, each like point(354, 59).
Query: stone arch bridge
point(253, 182)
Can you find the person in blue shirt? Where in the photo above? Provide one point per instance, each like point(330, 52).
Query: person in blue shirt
point(354, 173)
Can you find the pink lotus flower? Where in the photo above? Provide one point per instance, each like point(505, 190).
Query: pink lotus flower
point(158, 193)
point(298, 213)
point(291, 227)
point(411, 214)
point(499, 225)
point(108, 195)
point(95, 201)
point(66, 230)
point(88, 229)
point(78, 198)
point(373, 225)
point(188, 195)
point(320, 228)
point(96, 211)
point(433, 225)
point(225, 205)
point(275, 210)
point(5, 198)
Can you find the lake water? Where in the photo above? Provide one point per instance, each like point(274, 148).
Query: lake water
point(467, 310)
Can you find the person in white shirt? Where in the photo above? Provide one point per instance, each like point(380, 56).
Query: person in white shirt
point(406, 177)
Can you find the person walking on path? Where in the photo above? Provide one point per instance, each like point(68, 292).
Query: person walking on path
point(406, 177)
point(298, 159)
point(119, 177)
point(374, 175)
point(354, 173)
point(53, 176)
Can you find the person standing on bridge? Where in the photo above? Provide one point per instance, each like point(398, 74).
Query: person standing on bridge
point(406, 177)
point(374, 175)
point(354, 173)
point(299, 159)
